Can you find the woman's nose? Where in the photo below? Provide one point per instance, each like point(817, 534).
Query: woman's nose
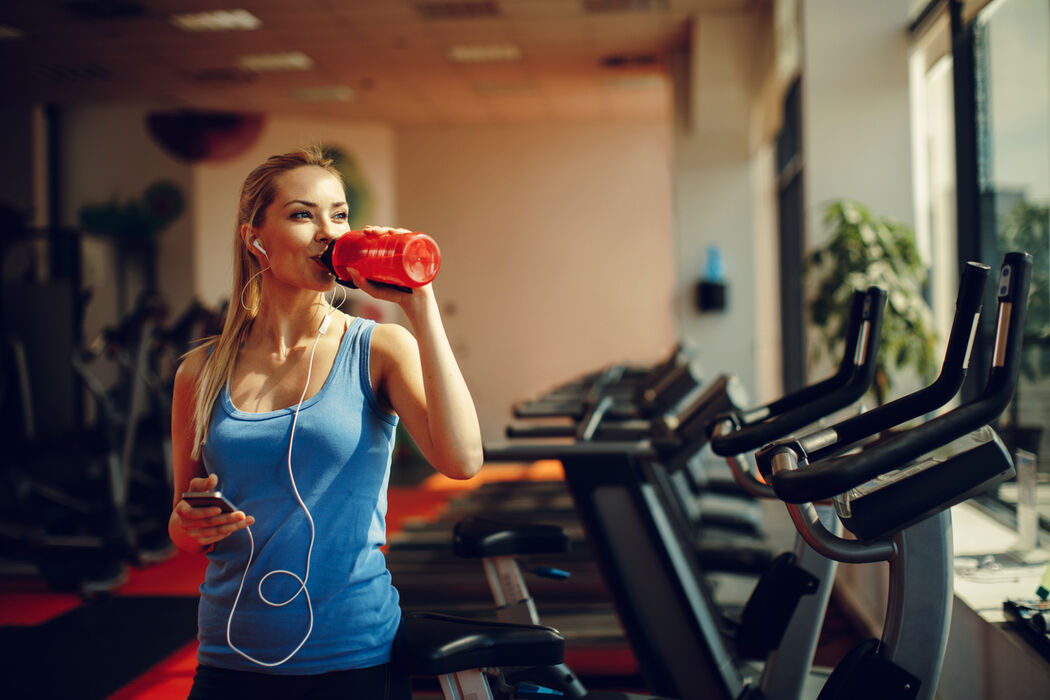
point(328, 231)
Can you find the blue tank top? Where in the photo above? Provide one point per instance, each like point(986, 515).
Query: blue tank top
point(341, 463)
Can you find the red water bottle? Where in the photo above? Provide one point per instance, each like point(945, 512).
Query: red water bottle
point(404, 260)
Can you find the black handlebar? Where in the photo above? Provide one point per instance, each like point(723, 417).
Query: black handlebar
point(864, 337)
point(518, 452)
point(825, 442)
point(834, 475)
point(841, 376)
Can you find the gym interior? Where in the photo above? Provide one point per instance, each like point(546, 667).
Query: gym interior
point(700, 259)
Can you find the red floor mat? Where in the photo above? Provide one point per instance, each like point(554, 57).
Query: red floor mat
point(171, 678)
point(30, 603)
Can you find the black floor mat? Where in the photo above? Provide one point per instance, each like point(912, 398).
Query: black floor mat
point(93, 651)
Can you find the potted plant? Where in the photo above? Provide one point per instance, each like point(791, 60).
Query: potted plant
point(861, 250)
point(134, 226)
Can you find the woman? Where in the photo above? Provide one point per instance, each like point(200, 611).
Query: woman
point(291, 412)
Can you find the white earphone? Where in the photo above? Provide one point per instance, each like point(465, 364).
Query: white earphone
point(258, 245)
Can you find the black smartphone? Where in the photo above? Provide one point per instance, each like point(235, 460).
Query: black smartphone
point(209, 499)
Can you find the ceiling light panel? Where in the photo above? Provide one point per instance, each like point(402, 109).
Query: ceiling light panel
point(271, 62)
point(217, 21)
point(484, 53)
point(335, 93)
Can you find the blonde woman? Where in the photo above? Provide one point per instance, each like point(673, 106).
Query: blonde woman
point(291, 412)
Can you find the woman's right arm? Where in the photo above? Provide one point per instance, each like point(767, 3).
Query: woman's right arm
point(193, 529)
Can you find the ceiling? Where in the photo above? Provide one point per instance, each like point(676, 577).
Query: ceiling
point(383, 60)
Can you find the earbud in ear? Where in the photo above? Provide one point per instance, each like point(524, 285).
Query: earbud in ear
point(258, 245)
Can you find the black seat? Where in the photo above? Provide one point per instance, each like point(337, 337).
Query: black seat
point(480, 537)
point(430, 644)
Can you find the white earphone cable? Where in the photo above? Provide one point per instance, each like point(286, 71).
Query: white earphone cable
point(245, 287)
point(309, 552)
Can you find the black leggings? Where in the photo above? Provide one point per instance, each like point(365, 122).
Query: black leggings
point(376, 683)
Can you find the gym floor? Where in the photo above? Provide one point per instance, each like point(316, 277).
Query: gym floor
point(138, 640)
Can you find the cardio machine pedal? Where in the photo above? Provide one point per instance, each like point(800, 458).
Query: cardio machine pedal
point(531, 690)
point(552, 573)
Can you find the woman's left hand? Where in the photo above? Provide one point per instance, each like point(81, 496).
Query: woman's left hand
point(386, 292)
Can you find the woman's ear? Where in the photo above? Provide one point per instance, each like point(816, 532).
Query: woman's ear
point(251, 241)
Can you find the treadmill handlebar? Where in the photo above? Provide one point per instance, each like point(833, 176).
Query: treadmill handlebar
point(831, 476)
point(527, 452)
point(865, 337)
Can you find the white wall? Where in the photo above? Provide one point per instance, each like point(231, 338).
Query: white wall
point(723, 189)
point(556, 249)
point(856, 131)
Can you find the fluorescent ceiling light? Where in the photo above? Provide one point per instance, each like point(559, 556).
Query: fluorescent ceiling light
point(264, 62)
point(335, 93)
point(9, 32)
point(217, 21)
point(484, 53)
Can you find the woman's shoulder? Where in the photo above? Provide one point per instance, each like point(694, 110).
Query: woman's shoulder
point(391, 338)
point(391, 344)
point(192, 363)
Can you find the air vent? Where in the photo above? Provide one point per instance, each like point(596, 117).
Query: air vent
point(222, 75)
point(69, 75)
point(624, 5)
point(105, 9)
point(466, 9)
point(627, 61)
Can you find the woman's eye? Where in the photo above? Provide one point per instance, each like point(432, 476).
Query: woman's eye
point(301, 215)
point(341, 216)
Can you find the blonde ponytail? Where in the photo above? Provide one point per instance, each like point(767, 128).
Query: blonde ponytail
point(257, 194)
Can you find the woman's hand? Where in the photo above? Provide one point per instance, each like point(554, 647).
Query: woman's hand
point(387, 292)
point(209, 524)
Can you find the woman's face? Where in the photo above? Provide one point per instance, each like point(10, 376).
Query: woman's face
point(308, 210)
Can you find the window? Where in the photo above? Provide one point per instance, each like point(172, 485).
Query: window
point(1011, 49)
point(981, 129)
